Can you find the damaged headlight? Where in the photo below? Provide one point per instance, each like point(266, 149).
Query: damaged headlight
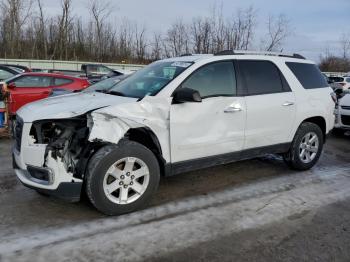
point(65, 139)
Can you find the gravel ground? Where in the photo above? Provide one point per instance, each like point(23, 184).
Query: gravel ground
point(256, 210)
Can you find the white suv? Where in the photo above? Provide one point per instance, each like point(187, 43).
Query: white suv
point(173, 116)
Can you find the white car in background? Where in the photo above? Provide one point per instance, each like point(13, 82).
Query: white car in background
point(342, 113)
point(344, 81)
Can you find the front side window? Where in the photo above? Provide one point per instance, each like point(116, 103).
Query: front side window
point(33, 81)
point(216, 79)
point(309, 75)
point(261, 77)
point(149, 80)
point(348, 79)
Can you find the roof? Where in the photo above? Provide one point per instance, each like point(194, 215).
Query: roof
point(240, 54)
point(50, 74)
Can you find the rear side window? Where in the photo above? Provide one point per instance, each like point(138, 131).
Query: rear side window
point(215, 79)
point(261, 77)
point(62, 81)
point(33, 81)
point(309, 75)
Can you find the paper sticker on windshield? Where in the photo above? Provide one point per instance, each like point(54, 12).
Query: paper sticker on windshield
point(181, 64)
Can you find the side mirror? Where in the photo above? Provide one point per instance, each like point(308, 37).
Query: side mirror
point(11, 85)
point(183, 95)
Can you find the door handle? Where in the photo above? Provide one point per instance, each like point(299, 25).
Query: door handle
point(233, 108)
point(287, 103)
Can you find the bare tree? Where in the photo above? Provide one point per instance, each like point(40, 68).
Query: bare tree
point(32, 33)
point(15, 14)
point(156, 47)
point(278, 31)
point(201, 35)
point(177, 39)
point(140, 42)
point(345, 45)
point(100, 12)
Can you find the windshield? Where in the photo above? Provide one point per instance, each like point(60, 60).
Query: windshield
point(149, 80)
point(106, 84)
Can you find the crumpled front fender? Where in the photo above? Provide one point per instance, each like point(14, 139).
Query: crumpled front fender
point(112, 123)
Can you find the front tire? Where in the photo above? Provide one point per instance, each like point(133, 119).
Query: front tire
point(306, 147)
point(122, 178)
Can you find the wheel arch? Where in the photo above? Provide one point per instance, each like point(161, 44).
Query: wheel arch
point(320, 121)
point(146, 137)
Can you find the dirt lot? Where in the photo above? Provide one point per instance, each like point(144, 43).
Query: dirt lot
point(256, 210)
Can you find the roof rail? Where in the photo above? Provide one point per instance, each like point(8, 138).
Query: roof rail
point(268, 53)
point(189, 54)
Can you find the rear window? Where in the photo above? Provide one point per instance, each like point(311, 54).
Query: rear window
point(336, 79)
point(308, 75)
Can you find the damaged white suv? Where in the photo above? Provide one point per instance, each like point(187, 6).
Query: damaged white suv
point(173, 116)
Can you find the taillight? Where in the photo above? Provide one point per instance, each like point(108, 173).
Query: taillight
point(334, 97)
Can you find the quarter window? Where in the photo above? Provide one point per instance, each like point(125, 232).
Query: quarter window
point(261, 77)
point(216, 79)
point(62, 81)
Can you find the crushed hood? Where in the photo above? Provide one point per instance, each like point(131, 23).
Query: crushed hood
point(67, 106)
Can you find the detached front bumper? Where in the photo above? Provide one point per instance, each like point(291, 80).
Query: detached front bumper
point(45, 180)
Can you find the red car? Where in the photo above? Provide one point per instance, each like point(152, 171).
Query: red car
point(29, 87)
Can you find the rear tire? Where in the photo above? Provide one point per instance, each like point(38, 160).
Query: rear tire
point(306, 147)
point(122, 178)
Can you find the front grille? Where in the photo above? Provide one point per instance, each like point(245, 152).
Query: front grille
point(345, 107)
point(17, 133)
point(345, 120)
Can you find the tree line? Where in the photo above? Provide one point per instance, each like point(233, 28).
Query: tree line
point(26, 32)
point(339, 61)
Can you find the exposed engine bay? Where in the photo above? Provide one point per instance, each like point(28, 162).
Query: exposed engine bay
point(66, 143)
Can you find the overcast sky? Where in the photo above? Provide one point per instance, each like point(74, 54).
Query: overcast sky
point(317, 24)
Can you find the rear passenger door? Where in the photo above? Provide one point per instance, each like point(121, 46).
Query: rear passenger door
point(270, 104)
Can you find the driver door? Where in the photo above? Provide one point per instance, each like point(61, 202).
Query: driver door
point(214, 126)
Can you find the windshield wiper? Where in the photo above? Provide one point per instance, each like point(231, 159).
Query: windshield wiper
point(117, 93)
point(101, 91)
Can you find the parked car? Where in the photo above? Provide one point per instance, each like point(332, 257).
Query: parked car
point(29, 87)
point(344, 81)
point(173, 116)
point(93, 72)
point(342, 113)
point(103, 85)
point(7, 72)
point(20, 68)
